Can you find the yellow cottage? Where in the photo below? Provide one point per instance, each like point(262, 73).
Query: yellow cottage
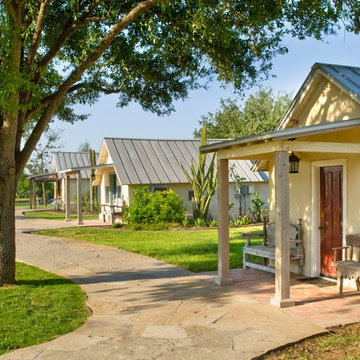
point(322, 129)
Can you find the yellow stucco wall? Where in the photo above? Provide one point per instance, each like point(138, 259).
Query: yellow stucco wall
point(326, 103)
point(303, 192)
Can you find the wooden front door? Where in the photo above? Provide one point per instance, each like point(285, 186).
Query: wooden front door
point(331, 215)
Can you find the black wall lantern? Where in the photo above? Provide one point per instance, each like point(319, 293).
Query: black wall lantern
point(293, 164)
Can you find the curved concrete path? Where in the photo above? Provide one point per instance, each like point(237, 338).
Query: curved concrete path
point(146, 309)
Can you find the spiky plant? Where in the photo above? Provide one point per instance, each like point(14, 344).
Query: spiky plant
point(203, 181)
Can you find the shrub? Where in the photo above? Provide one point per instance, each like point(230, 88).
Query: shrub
point(161, 207)
point(117, 225)
point(257, 207)
point(213, 223)
point(189, 222)
point(199, 222)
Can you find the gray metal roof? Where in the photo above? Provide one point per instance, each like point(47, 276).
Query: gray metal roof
point(286, 134)
point(150, 161)
point(346, 78)
point(68, 160)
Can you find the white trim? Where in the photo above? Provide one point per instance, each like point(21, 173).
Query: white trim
point(315, 208)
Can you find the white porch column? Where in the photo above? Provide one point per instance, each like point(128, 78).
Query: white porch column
point(30, 195)
point(67, 197)
point(223, 229)
point(282, 221)
point(79, 197)
point(34, 194)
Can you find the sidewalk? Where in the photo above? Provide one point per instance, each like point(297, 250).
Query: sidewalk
point(146, 309)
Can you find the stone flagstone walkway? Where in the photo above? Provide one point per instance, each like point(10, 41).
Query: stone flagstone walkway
point(146, 309)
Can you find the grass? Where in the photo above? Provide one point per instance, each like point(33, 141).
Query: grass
point(55, 215)
point(343, 344)
point(23, 203)
point(39, 308)
point(194, 250)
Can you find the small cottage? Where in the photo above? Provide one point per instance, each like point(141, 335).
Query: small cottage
point(156, 164)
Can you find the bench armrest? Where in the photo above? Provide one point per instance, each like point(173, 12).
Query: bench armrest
point(335, 249)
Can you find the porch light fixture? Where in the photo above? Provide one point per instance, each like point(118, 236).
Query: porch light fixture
point(293, 164)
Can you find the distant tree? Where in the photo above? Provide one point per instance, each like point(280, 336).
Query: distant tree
point(39, 162)
point(22, 190)
point(85, 146)
point(261, 112)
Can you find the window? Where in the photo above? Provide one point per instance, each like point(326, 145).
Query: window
point(159, 188)
point(191, 195)
point(113, 191)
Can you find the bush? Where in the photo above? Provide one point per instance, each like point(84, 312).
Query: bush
point(213, 223)
point(189, 222)
point(257, 207)
point(161, 207)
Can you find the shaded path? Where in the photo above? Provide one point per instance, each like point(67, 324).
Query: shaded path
point(146, 309)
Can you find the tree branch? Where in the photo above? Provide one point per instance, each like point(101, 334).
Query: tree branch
point(76, 75)
point(37, 33)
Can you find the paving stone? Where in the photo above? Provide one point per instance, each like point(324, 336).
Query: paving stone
point(146, 309)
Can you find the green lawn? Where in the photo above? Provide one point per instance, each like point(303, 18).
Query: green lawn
point(39, 308)
point(55, 215)
point(23, 203)
point(194, 250)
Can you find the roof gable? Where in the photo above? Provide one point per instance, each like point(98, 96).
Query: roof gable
point(67, 160)
point(151, 161)
point(329, 93)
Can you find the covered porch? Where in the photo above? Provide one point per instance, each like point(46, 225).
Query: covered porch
point(43, 179)
point(76, 171)
point(296, 195)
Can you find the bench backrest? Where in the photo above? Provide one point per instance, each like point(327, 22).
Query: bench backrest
point(353, 240)
point(270, 234)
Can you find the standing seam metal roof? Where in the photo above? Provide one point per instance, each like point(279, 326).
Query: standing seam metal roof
point(151, 161)
point(66, 160)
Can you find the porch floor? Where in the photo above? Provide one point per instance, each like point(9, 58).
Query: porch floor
point(321, 305)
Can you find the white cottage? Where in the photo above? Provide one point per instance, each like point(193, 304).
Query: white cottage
point(156, 164)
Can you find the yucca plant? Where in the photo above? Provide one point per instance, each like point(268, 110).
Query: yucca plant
point(204, 182)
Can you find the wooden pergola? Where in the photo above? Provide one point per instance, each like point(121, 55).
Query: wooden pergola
point(275, 147)
point(43, 178)
point(77, 172)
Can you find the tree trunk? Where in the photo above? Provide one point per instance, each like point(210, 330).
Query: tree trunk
point(7, 223)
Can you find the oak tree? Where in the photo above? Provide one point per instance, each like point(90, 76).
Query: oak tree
point(56, 53)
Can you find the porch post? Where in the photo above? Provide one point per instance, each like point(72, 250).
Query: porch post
point(67, 197)
point(282, 221)
point(223, 229)
point(79, 197)
point(34, 194)
point(30, 195)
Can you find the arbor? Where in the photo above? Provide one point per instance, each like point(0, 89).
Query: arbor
point(55, 53)
point(261, 112)
point(39, 163)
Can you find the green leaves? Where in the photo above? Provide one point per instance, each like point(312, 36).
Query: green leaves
point(203, 181)
point(261, 112)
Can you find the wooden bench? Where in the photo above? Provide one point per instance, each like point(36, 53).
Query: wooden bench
point(347, 268)
point(266, 251)
point(115, 210)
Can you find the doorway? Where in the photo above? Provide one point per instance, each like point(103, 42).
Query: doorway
point(331, 216)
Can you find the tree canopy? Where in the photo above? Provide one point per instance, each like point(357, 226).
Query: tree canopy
point(54, 54)
point(261, 112)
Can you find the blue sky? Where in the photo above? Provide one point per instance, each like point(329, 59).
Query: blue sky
point(106, 120)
